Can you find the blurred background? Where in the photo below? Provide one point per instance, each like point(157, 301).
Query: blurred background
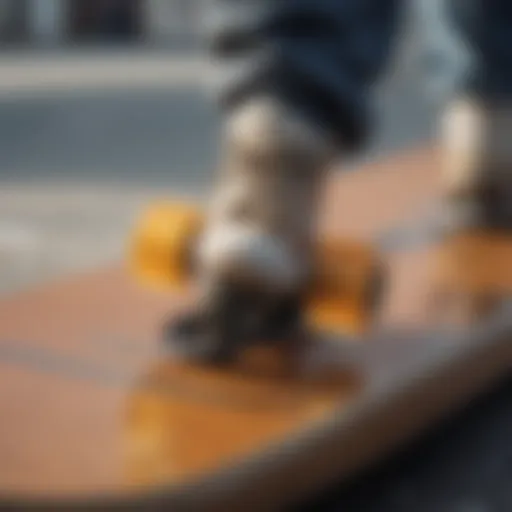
point(104, 105)
point(69, 22)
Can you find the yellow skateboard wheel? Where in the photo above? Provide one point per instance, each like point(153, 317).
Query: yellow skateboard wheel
point(163, 243)
point(348, 287)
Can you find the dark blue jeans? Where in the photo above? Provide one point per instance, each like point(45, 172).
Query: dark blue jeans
point(323, 56)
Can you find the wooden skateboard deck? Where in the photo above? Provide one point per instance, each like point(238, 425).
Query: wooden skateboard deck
point(93, 412)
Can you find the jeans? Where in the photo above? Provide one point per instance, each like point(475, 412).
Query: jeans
point(323, 56)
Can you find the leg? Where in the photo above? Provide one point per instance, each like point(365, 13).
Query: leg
point(478, 121)
point(296, 74)
point(477, 161)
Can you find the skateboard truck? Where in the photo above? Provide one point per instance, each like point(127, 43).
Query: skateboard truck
point(344, 296)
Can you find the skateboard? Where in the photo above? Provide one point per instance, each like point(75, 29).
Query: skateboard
point(96, 414)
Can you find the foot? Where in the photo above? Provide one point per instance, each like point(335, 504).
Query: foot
point(255, 258)
point(477, 166)
point(477, 173)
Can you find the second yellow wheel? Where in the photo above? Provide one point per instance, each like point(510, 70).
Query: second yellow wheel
point(163, 243)
point(348, 287)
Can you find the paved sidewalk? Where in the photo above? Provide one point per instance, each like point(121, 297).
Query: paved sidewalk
point(47, 233)
point(35, 73)
point(49, 227)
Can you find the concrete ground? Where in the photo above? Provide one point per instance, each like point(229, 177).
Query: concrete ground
point(85, 141)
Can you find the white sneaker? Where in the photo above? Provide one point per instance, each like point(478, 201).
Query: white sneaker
point(263, 213)
point(477, 163)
